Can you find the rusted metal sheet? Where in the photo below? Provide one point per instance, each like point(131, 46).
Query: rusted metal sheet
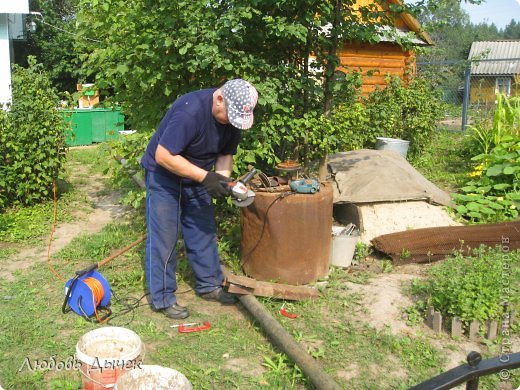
point(244, 285)
point(429, 244)
point(286, 237)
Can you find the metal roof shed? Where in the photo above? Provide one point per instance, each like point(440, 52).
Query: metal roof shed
point(495, 67)
point(505, 53)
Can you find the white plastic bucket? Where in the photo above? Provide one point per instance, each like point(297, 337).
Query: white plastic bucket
point(397, 145)
point(343, 247)
point(153, 377)
point(106, 353)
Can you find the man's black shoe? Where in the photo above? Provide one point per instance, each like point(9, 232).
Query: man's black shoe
point(177, 312)
point(221, 296)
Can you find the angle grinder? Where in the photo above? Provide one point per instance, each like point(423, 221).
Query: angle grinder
point(241, 196)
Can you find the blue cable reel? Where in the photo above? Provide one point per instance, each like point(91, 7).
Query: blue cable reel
point(81, 298)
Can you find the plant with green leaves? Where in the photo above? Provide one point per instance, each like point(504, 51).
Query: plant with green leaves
point(267, 43)
point(32, 139)
point(407, 111)
point(480, 287)
point(53, 42)
point(493, 195)
point(128, 151)
point(487, 134)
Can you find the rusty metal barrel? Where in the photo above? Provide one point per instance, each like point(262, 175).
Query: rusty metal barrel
point(286, 237)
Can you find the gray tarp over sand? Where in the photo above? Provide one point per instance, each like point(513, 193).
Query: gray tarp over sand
point(369, 176)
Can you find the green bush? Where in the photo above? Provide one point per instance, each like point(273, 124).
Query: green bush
point(493, 193)
point(482, 287)
point(32, 139)
point(352, 126)
point(129, 150)
point(487, 133)
point(408, 111)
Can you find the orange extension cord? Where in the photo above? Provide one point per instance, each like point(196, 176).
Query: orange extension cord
point(53, 228)
point(97, 294)
point(97, 289)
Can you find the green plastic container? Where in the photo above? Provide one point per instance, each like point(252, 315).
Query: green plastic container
point(89, 125)
point(79, 127)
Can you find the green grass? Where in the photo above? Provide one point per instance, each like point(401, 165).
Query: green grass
point(6, 253)
point(235, 352)
point(97, 158)
point(26, 224)
point(447, 162)
point(36, 329)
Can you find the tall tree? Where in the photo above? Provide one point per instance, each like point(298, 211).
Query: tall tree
point(53, 42)
point(512, 30)
point(152, 51)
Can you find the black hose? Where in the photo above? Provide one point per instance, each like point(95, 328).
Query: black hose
point(284, 341)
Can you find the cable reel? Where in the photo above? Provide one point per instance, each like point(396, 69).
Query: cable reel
point(86, 293)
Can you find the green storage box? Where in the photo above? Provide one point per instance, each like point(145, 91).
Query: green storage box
point(79, 127)
point(89, 125)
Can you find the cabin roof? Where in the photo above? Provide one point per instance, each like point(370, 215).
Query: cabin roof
point(505, 52)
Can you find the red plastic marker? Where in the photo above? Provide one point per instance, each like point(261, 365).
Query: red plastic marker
point(285, 313)
point(188, 328)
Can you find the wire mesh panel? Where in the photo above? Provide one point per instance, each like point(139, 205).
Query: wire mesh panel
point(446, 75)
point(471, 87)
point(488, 78)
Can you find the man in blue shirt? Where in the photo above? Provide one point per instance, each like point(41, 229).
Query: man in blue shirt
point(200, 131)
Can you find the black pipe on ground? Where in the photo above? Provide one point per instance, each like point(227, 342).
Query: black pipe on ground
point(285, 342)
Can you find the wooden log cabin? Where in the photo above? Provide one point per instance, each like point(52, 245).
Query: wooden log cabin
point(377, 60)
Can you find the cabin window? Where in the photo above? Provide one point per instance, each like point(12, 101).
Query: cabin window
point(503, 85)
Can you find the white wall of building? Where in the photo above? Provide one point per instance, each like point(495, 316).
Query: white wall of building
point(7, 10)
point(5, 61)
point(14, 6)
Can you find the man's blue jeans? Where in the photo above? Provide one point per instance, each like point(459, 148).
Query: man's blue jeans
point(172, 207)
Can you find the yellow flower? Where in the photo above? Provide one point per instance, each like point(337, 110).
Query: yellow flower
point(478, 171)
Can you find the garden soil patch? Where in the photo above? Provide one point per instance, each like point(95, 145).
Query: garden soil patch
point(384, 301)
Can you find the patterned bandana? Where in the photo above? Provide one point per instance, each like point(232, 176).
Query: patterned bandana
point(240, 98)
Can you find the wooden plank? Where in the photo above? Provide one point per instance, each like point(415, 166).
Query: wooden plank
point(374, 80)
point(372, 62)
point(474, 328)
point(456, 327)
point(492, 330)
point(366, 89)
point(373, 71)
point(373, 52)
point(437, 322)
point(244, 285)
point(376, 51)
point(240, 280)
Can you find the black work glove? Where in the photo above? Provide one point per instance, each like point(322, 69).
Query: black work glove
point(215, 184)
